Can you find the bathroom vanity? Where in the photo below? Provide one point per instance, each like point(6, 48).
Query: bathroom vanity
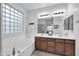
point(49, 42)
point(55, 44)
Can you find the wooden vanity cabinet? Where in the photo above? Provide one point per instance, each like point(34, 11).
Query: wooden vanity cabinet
point(58, 46)
point(37, 43)
point(50, 45)
point(70, 47)
point(40, 43)
point(43, 44)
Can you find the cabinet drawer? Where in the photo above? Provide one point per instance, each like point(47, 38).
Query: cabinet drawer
point(60, 40)
point(50, 43)
point(70, 41)
point(50, 39)
point(51, 49)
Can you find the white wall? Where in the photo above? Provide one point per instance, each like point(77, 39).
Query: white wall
point(74, 9)
point(0, 29)
point(70, 8)
point(33, 16)
point(22, 40)
point(58, 21)
point(17, 40)
point(76, 31)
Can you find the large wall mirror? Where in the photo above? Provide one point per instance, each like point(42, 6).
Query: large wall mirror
point(45, 25)
point(68, 23)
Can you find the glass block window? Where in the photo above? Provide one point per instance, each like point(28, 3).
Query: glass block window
point(12, 19)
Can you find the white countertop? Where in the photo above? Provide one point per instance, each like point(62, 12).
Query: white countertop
point(56, 36)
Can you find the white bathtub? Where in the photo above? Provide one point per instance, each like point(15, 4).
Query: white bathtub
point(27, 51)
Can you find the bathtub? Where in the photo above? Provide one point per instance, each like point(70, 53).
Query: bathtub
point(27, 51)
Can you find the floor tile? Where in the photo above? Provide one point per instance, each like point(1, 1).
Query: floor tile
point(41, 53)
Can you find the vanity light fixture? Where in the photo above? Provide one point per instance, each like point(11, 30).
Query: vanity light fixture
point(59, 13)
point(44, 14)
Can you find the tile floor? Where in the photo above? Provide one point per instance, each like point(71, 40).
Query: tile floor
point(41, 53)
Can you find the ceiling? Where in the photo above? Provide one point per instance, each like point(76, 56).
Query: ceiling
point(31, 6)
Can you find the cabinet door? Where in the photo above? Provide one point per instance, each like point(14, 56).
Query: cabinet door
point(60, 48)
point(43, 44)
point(69, 49)
point(38, 43)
